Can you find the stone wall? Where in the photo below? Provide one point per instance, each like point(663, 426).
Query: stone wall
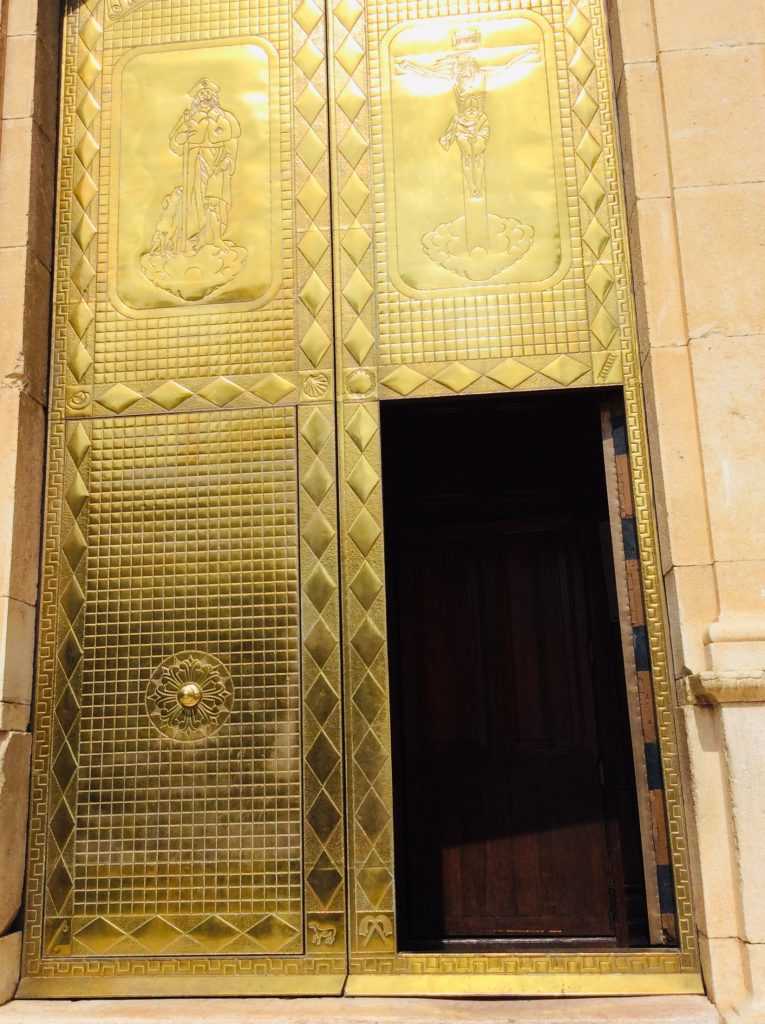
point(691, 98)
point(690, 76)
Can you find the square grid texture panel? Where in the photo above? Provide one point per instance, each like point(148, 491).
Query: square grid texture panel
point(193, 548)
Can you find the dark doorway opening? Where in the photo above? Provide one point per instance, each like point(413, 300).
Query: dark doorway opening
point(516, 815)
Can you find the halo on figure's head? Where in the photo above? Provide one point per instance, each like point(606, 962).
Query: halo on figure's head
point(466, 38)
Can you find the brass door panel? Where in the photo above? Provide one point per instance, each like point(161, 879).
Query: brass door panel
point(480, 241)
point(187, 806)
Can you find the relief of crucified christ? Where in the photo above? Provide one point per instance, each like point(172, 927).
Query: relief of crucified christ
point(491, 244)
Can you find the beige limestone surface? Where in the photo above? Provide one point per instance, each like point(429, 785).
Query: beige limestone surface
point(643, 1010)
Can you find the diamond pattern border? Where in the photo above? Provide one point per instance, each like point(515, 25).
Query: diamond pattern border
point(324, 857)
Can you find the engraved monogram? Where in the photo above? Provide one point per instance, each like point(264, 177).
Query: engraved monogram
point(190, 255)
point(478, 245)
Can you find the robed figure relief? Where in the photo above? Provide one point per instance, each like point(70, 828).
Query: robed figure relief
point(191, 255)
point(477, 245)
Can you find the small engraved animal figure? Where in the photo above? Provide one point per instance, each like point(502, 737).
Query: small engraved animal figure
point(322, 933)
point(375, 924)
point(167, 226)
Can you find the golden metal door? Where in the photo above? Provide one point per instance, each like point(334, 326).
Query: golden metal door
point(187, 814)
point(253, 246)
point(480, 242)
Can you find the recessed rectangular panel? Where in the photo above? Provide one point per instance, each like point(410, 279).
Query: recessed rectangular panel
point(472, 115)
point(195, 205)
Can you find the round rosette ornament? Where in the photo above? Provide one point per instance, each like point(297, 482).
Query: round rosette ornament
point(189, 696)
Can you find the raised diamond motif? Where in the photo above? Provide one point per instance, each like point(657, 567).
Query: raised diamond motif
point(99, 935)
point(76, 495)
point(404, 380)
point(315, 343)
point(78, 444)
point(89, 69)
point(353, 146)
point(308, 59)
point(78, 360)
point(308, 16)
point(363, 479)
point(585, 107)
point(370, 756)
point(316, 430)
point(369, 698)
point(368, 640)
point(319, 587)
point(351, 100)
point(366, 585)
point(359, 341)
point(356, 241)
point(358, 291)
point(372, 816)
point(214, 934)
point(318, 533)
point(81, 317)
point(314, 294)
point(364, 531)
point(323, 816)
point(596, 236)
point(603, 327)
point(347, 12)
point(74, 547)
point(72, 600)
point(83, 274)
point(510, 374)
point(361, 428)
point(593, 193)
point(85, 232)
point(119, 398)
point(577, 24)
point(349, 53)
point(324, 878)
point(317, 481)
point(221, 391)
point(86, 149)
point(273, 388)
point(322, 757)
point(589, 149)
point(272, 933)
point(84, 189)
point(600, 281)
point(310, 149)
point(170, 394)
point(87, 108)
point(61, 824)
point(581, 66)
point(564, 370)
point(312, 196)
point(156, 934)
point(457, 377)
point(91, 33)
point(322, 700)
point(313, 245)
point(309, 103)
point(320, 642)
point(354, 193)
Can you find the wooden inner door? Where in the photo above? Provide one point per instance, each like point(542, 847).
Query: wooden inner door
point(516, 811)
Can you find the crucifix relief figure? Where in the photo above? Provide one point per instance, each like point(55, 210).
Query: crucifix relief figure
point(190, 255)
point(478, 245)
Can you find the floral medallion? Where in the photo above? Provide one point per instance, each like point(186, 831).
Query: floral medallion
point(190, 695)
